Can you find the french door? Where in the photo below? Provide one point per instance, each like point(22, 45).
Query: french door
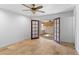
point(56, 33)
point(34, 29)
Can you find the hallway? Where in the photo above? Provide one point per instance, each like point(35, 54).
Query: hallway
point(40, 46)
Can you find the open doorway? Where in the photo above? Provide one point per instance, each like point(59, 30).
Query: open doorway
point(50, 29)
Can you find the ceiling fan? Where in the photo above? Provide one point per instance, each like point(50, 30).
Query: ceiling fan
point(33, 8)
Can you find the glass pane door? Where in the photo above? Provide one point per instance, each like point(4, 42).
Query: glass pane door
point(34, 29)
point(56, 35)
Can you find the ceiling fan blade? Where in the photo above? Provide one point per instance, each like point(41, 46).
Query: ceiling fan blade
point(39, 7)
point(26, 10)
point(41, 11)
point(26, 6)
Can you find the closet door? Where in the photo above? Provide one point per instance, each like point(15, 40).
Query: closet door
point(34, 29)
point(56, 36)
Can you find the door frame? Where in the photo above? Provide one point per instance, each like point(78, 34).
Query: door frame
point(38, 29)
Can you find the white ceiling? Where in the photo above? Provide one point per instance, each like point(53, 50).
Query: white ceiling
point(48, 8)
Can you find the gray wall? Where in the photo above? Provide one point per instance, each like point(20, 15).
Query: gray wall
point(76, 13)
point(13, 27)
point(66, 30)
